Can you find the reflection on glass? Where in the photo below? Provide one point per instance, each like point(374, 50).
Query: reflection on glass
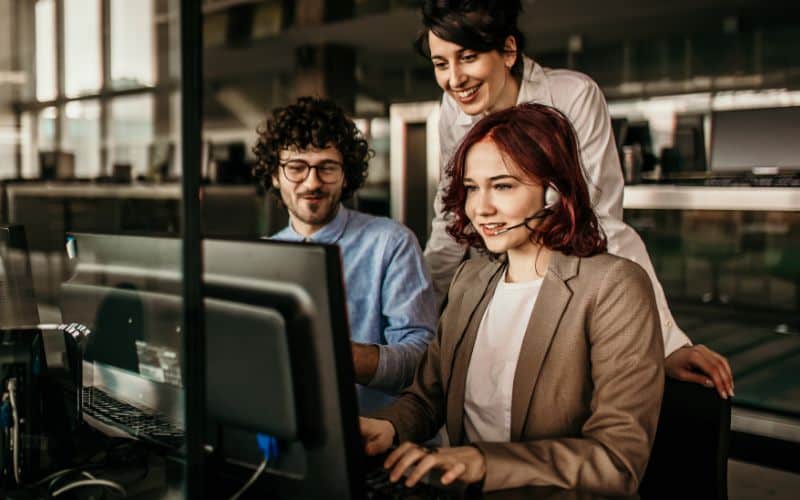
point(132, 43)
point(268, 19)
point(82, 136)
point(45, 50)
point(46, 138)
point(733, 281)
point(131, 135)
point(174, 134)
point(8, 139)
point(81, 46)
point(27, 144)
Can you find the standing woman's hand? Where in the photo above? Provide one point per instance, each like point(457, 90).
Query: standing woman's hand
point(701, 365)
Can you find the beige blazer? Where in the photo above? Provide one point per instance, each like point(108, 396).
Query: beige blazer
point(587, 387)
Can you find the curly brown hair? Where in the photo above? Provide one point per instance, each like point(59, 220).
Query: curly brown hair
point(312, 123)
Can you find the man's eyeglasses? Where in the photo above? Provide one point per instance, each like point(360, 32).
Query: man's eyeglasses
point(328, 172)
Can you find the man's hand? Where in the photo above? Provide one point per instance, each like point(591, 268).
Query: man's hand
point(365, 361)
point(465, 463)
point(700, 364)
point(378, 435)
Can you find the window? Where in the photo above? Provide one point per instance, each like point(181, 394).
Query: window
point(132, 43)
point(46, 50)
point(46, 137)
point(131, 136)
point(81, 47)
point(82, 136)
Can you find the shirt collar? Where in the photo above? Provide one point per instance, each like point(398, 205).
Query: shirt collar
point(533, 88)
point(330, 233)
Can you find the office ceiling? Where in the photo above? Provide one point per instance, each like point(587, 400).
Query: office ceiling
point(389, 70)
point(548, 24)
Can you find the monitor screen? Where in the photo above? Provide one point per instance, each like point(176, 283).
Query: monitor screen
point(747, 139)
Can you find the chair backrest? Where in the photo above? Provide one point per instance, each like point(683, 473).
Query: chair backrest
point(690, 453)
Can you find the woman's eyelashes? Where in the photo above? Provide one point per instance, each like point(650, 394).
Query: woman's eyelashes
point(469, 188)
point(464, 58)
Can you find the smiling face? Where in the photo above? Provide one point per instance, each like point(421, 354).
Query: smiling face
point(498, 198)
point(311, 203)
point(480, 82)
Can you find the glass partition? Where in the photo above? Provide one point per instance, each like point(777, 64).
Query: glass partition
point(91, 338)
point(733, 281)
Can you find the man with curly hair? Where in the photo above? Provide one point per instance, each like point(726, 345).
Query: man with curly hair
point(313, 157)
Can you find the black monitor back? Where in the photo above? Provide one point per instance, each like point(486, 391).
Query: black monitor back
point(234, 269)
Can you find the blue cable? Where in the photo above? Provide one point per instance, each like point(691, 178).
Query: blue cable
point(268, 446)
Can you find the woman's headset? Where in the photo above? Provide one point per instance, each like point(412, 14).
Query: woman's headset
point(552, 197)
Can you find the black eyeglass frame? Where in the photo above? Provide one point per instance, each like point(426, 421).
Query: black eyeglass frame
point(309, 167)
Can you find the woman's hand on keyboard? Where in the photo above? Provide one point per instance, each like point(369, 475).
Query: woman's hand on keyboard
point(378, 435)
point(463, 463)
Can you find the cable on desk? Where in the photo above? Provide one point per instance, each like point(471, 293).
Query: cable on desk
point(250, 481)
point(12, 395)
point(91, 482)
point(55, 475)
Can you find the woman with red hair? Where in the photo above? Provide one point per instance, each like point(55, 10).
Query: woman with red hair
point(547, 367)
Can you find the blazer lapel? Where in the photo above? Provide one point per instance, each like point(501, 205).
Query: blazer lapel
point(457, 350)
point(554, 296)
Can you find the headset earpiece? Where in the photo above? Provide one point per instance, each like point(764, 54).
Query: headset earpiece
point(551, 197)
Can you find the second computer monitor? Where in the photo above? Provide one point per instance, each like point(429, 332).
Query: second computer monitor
point(253, 288)
point(750, 139)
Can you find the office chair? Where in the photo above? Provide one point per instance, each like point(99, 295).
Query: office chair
point(690, 453)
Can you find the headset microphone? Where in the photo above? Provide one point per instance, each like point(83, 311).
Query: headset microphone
point(551, 197)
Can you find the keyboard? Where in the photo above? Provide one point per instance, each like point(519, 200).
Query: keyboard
point(732, 180)
point(750, 180)
point(378, 486)
point(154, 428)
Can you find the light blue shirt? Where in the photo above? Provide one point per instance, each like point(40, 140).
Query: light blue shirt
point(390, 298)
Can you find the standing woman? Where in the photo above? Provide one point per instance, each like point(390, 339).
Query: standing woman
point(476, 50)
point(547, 364)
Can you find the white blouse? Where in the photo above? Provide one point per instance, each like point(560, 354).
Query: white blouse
point(490, 376)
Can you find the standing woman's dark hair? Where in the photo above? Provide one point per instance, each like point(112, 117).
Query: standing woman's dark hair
point(480, 25)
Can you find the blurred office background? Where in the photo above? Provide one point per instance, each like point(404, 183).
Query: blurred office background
point(90, 141)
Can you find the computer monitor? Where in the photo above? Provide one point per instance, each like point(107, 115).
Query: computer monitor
point(231, 164)
point(619, 126)
point(689, 141)
point(18, 307)
point(750, 139)
point(263, 298)
point(118, 290)
point(56, 165)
